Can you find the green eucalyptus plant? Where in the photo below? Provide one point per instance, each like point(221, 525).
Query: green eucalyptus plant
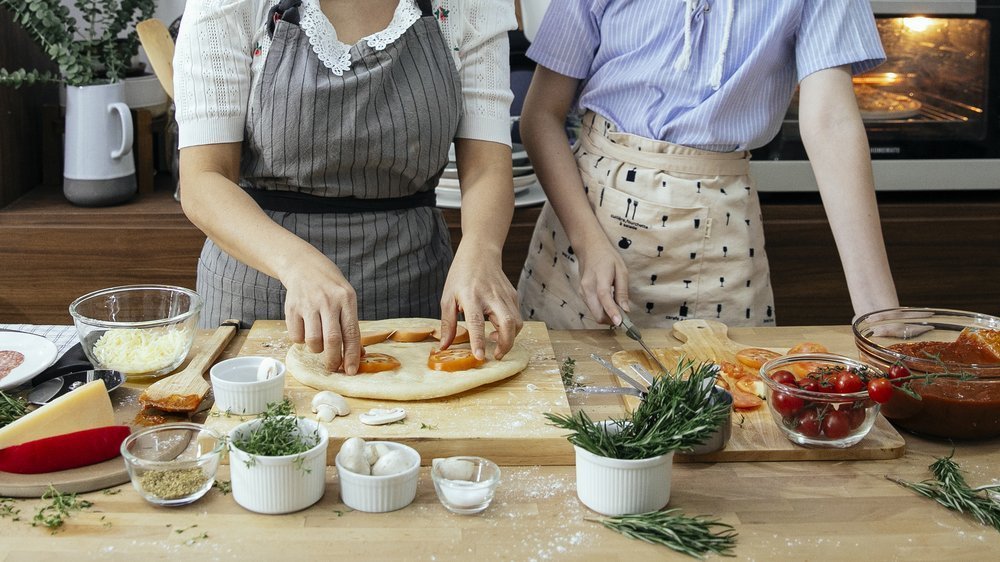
point(96, 49)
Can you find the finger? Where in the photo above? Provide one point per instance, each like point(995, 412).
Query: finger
point(296, 330)
point(621, 289)
point(476, 325)
point(594, 306)
point(351, 334)
point(506, 326)
point(313, 326)
point(333, 346)
point(449, 319)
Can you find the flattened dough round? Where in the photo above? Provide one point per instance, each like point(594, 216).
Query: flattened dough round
point(413, 380)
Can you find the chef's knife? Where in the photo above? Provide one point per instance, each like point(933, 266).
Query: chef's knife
point(633, 332)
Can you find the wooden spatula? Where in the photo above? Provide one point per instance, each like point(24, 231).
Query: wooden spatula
point(184, 391)
point(159, 47)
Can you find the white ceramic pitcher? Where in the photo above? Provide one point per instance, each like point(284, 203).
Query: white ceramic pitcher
point(98, 168)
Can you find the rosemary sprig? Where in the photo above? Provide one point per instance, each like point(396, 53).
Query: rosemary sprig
point(694, 536)
point(58, 510)
point(952, 491)
point(11, 408)
point(677, 414)
point(567, 371)
point(278, 433)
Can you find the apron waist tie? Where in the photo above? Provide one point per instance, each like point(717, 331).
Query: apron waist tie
point(295, 202)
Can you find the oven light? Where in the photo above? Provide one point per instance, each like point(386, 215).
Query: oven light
point(918, 24)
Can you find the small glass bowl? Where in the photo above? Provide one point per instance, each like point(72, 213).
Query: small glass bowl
point(465, 485)
point(162, 317)
point(819, 419)
point(173, 464)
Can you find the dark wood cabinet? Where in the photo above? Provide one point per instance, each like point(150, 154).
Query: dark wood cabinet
point(944, 249)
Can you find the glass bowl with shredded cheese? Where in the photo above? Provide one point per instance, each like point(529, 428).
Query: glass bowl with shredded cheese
point(142, 331)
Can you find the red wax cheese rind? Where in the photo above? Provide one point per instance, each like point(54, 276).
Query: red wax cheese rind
point(66, 451)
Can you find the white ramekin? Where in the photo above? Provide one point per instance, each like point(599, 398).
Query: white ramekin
point(378, 494)
point(620, 487)
point(237, 390)
point(282, 484)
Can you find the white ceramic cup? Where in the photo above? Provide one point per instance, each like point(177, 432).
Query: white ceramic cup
point(284, 484)
point(621, 487)
point(378, 494)
point(237, 390)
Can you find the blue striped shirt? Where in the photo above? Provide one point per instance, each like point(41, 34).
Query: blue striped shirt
point(626, 52)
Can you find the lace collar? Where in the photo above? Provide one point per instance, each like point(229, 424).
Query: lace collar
point(336, 55)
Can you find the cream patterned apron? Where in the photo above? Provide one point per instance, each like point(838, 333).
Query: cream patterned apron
point(687, 222)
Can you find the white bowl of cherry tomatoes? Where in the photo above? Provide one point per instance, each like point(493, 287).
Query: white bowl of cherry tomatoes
point(824, 400)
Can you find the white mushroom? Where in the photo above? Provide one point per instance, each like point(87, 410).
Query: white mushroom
point(328, 405)
point(381, 416)
point(393, 462)
point(268, 368)
point(352, 456)
point(454, 469)
point(373, 452)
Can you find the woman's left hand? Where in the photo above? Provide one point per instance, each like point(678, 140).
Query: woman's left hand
point(481, 292)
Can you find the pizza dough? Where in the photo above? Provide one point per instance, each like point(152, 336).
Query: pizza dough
point(413, 380)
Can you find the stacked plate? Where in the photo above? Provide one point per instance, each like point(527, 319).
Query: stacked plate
point(527, 190)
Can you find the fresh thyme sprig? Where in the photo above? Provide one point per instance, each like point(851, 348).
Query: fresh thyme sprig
point(277, 434)
point(568, 373)
point(694, 536)
point(677, 414)
point(952, 491)
point(60, 507)
point(11, 408)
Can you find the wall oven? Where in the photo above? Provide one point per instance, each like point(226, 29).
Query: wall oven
point(931, 111)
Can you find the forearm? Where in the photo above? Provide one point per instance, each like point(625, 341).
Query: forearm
point(484, 172)
point(837, 146)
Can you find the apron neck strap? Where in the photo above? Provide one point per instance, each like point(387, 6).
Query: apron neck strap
point(425, 8)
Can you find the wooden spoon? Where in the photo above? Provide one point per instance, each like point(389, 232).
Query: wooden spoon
point(159, 47)
point(184, 391)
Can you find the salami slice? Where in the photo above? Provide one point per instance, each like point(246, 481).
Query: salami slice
point(9, 360)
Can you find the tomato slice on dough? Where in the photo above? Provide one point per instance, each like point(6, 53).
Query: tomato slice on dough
point(377, 362)
point(453, 360)
point(461, 334)
point(411, 335)
point(369, 337)
point(754, 357)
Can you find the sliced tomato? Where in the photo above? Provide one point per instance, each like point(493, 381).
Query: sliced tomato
point(377, 362)
point(803, 369)
point(754, 357)
point(453, 360)
point(461, 334)
point(411, 334)
point(745, 400)
point(370, 337)
point(808, 347)
point(734, 371)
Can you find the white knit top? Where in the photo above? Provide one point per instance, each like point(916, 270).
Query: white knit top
point(220, 53)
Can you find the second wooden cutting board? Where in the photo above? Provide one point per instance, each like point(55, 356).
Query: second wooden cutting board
point(503, 421)
point(755, 436)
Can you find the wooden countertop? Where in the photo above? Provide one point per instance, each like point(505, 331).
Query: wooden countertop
point(782, 510)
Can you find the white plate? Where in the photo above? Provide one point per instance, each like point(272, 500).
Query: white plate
point(452, 187)
point(522, 170)
point(525, 181)
point(523, 197)
point(39, 354)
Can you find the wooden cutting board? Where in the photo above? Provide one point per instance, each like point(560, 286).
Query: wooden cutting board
point(755, 435)
point(502, 421)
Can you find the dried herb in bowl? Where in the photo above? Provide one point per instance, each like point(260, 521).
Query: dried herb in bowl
point(277, 434)
point(677, 414)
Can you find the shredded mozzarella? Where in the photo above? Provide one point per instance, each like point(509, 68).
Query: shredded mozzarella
point(140, 351)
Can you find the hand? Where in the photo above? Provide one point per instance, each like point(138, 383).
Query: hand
point(482, 293)
point(603, 280)
point(321, 310)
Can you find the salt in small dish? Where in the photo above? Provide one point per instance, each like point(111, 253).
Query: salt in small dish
point(465, 485)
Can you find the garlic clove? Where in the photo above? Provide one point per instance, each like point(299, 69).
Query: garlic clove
point(268, 368)
point(393, 462)
point(380, 416)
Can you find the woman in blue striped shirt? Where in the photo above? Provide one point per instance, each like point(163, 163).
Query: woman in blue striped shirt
point(653, 210)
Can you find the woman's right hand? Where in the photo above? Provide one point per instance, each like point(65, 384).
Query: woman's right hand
point(321, 311)
point(603, 279)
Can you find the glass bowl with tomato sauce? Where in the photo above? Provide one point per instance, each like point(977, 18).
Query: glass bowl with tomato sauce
point(821, 399)
point(950, 359)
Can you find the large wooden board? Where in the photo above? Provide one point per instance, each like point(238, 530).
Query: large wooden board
point(755, 435)
point(502, 421)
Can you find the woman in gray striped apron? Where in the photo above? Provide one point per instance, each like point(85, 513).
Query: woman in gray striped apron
point(324, 213)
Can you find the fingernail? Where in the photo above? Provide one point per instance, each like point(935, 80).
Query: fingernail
point(616, 320)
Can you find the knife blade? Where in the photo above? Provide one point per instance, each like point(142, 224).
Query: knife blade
point(632, 332)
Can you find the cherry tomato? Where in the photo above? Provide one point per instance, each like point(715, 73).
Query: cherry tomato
point(786, 404)
point(847, 382)
point(807, 423)
point(754, 357)
point(898, 372)
point(836, 424)
point(810, 384)
point(377, 362)
point(857, 417)
point(453, 360)
point(784, 377)
point(880, 390)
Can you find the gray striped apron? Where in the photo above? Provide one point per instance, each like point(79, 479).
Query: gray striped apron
point(348, 163)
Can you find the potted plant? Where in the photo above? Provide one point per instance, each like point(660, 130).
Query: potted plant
point(277, 462)
point(93, 52)
point(624, 466)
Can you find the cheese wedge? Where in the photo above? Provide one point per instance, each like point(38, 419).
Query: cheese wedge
point(87, 407)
